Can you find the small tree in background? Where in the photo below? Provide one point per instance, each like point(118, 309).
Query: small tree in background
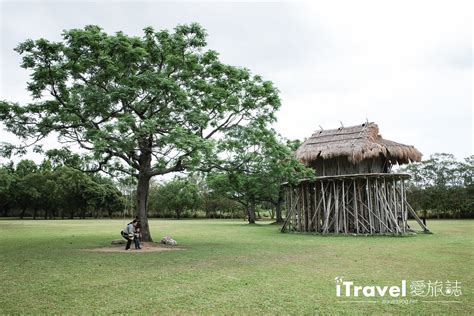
point(255, 171)
point(178, 196)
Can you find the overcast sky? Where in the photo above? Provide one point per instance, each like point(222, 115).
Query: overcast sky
point(406, 65)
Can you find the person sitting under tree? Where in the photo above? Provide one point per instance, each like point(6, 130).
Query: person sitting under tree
point(128, 233)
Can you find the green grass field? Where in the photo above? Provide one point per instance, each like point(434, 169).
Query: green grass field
point(226, 267)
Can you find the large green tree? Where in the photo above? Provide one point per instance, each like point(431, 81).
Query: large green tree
point(146, 105)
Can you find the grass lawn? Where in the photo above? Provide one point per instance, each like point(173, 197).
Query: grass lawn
point(227, 267)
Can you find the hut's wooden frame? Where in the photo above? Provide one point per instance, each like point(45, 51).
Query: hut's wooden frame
point(373, 203)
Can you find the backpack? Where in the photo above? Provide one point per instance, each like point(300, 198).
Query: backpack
point(125, 232)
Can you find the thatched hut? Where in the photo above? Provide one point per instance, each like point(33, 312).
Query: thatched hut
point(352, 150)
point(355, 190)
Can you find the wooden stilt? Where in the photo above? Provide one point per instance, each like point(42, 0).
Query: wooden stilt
point(336, 208)
point(360, 204)
point(344, 208)
point(369, 207)
point(354, 201)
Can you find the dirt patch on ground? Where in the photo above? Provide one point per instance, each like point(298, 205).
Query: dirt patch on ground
point(146, 247)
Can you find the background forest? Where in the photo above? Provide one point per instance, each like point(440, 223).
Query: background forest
point(440, 187)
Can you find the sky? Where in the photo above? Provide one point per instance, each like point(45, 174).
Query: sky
point(405, 65)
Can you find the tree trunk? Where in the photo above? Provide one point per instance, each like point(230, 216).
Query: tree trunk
point(272, 212)
point(34, 213)
point(142, 199)
point(251, 212)
point(178, 214)
point(279, 217)
point(23, 211)
point(5, 211)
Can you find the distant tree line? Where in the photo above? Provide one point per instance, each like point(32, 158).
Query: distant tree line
point(246, 185)
point(50, 190)
point(442, 187)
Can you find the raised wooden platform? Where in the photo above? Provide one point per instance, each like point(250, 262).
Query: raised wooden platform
point(373, 203)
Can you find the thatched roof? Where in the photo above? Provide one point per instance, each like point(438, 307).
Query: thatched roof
point(357, 143)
